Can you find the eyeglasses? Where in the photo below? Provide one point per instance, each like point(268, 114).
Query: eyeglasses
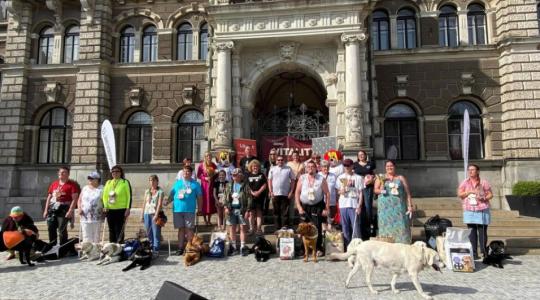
point(115, 171)
point(280, 160)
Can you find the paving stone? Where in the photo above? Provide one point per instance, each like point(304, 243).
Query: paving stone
point(243, 278)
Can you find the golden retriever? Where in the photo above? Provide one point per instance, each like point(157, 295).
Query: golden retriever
point(194, 251)
point(399, 258)
point(90, 251)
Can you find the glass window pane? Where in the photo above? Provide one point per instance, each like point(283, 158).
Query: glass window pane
point(391, 128)
point(141, 118)
point(147, 151)
point(410, 147)
point(408, 127)
point(475, 146)
point(454, 126)
point(400, 111)
point(67, 154)
point(458, 109)
point(455, 147)
point(58, 117)
point(392, 147)
point(475, 126)
point(132, 152)
point(198, 132)
point(133, 134)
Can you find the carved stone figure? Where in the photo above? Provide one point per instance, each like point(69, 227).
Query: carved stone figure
point(353, 115)
point(222, 122)
point(288, 51)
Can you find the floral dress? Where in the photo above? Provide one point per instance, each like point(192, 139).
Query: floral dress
point(392, 212)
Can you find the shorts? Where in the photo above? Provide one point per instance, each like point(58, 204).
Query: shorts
point(236, 217)
point(183, 220)
point(258, 203)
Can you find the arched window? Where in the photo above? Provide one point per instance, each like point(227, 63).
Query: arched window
point(448, 27)
point(476, 20)
point(401, 132)
point(190, 134)
point(185, 42)
point(46, 45)
point(71, 45)
point(380, 30)
point(139, 138)
point(127, 44)
point(150, 44)
point(203, 45)
point(406, 29)
point(455, 130)
point(55, 137)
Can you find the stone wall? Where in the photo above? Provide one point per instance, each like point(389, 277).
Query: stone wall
point(432, 87)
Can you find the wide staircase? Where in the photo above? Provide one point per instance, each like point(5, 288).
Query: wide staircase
point(521, 234)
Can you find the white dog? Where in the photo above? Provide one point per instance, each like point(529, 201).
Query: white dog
point(399, 258)
point(110, 253)
point(90, 251)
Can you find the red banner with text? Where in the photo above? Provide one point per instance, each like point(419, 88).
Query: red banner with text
point(285, 145)
point(240, 145)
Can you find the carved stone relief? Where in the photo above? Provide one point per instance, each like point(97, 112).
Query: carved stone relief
point(222, 123)
point(353, 115)
point(288, 51)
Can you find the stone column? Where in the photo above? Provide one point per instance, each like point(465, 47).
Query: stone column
point(463, 28)
point(353, 91)
point(223, 115)
point(92, 89)
point(236, 105)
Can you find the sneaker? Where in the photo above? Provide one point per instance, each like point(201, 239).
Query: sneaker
point(244, 251)
point(155, 254)
point(179, 252)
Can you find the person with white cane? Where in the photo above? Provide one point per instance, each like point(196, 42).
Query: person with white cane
point(475, 194)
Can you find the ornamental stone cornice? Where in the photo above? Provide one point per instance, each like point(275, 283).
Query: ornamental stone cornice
point(223, 45)
point(348, 38)
point(56, 7)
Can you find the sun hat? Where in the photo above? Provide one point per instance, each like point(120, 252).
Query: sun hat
point(16, 211)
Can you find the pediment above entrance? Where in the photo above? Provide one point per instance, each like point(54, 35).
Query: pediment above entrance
point(248, 20)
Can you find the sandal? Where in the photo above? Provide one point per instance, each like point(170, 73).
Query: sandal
point(320, 253)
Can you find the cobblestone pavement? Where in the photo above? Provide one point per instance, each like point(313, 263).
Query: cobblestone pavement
point(243, 278)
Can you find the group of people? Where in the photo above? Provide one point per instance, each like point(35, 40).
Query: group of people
point(325, 192)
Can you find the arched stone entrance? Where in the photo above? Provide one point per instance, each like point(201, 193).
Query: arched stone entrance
point(290, 103)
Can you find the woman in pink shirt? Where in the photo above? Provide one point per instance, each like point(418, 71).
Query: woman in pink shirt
point(475, 194)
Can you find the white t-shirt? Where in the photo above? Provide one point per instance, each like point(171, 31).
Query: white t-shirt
point(337, 170)
point(331, 180)
point(280, 178)
point(354, 186)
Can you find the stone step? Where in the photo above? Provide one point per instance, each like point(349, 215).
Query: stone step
point(496, 232)
point(453, 213)
point(495, 222)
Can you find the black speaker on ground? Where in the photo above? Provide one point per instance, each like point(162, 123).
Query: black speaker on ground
point(172, 291)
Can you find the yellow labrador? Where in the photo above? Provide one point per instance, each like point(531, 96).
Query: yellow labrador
point(399, 258)
point(90, 251)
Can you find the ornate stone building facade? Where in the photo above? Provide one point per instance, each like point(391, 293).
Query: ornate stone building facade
point(177, 77)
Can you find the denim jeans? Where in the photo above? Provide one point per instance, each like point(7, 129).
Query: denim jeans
point(152, 230)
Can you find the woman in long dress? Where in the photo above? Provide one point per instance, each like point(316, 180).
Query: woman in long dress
point(206, 172)
point(394, 205)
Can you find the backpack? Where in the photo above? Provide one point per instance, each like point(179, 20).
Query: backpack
point(130, 246)
point(217, 249)
point(434, 227)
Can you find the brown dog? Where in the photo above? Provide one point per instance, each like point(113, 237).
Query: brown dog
point(194, 250)
point(309, 235)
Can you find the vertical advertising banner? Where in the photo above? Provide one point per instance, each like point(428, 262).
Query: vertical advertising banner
point(240, 145)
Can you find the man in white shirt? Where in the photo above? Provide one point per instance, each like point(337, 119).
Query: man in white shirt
point(281, 182)
point(350, 186)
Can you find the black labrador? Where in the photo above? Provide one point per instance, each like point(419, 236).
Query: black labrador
point(496, 254)
point(141, 257)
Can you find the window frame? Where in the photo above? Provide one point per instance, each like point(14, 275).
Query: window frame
point(399, 121)
point(447, 32)
point(149, 50)
point(49, 38)
point(192, 126)
point(473, 27)
point(203, 43)
point(406, 19)
point(187, 42)
point(73, 45)
point(473, 116)
point(140, 128)
point(66, 131)
point(128, 48)
point(377, 21)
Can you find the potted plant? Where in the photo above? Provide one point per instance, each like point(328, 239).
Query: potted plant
point(525, 198)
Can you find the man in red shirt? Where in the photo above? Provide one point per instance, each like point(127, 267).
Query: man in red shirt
point(61, 200)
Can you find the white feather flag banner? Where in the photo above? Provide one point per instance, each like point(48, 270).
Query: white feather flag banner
point(465, 140)
point(107, 136)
